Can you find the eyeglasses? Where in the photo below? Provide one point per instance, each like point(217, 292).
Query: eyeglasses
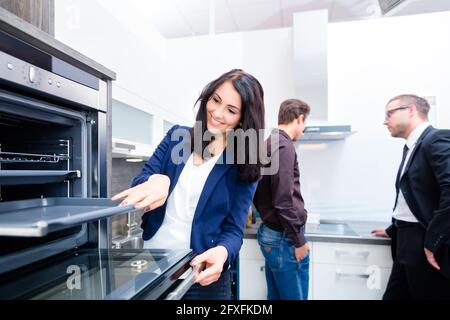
point(389, 113)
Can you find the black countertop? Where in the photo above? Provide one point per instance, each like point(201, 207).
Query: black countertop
point(362, 229)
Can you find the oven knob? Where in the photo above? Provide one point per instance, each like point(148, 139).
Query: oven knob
point(10, 66)
point(32, 74)
point(58, 84)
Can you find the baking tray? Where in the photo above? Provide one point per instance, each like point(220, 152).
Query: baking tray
point(38, 217)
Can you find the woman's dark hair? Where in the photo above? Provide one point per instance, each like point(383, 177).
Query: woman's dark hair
point(252, 117)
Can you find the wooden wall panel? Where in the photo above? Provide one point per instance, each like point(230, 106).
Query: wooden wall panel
point(40, 13)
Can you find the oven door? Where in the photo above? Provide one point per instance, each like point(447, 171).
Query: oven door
point(93, 274)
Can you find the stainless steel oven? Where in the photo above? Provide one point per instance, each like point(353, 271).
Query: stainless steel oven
point(54, 168)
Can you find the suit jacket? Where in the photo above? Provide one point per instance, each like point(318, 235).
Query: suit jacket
point(425, 185)
point(222, 209)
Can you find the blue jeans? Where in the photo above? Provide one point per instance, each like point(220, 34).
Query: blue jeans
point(287, 279)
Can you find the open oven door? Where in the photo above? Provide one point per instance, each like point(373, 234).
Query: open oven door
point(84, 273)
point(101, 274)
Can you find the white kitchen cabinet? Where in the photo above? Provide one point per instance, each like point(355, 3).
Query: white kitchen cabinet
point(125, 118)
point(252, 280)
point(350, 271)
point(352, 254)
point(348, 282)
point(252, 277)
point(338, 271)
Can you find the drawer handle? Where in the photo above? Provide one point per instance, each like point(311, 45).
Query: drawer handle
point(184, 286)
point(363, 254)
point(340, 274)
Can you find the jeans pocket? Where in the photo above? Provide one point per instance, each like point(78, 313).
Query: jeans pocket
point(268, 242)
point(269, 239)
point(272, 256)
point(270, 250)
point(291, 251)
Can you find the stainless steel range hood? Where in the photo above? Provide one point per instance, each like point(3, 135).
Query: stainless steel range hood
point(131, 150)
point(326, 133)
point(310, 40)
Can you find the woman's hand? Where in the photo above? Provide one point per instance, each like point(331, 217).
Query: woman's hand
point(148, 195)
point(214, 259)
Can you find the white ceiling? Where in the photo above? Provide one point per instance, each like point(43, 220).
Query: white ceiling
point(181, 18)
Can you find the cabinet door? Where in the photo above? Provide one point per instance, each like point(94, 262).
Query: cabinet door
point(252, 279)
point(349, 282)
point(352, 254)
point(250, 250)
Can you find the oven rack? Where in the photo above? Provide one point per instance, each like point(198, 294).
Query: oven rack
point(23, 177)
point(20, 157)
point(38, 217)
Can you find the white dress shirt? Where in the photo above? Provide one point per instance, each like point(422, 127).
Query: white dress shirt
point(402, 211)
point(175, 231)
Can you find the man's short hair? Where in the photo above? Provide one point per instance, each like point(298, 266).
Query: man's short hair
point(291, 109)
point(422, 104)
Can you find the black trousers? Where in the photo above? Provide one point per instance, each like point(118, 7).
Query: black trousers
point(219, 290)
point(412, 276)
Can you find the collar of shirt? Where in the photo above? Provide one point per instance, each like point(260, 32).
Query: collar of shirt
point(283, 133)
point(415, 134)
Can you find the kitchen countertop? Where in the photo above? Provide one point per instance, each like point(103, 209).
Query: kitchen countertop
point(362, 228)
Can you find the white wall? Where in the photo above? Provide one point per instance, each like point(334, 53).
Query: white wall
point(195, 61)
point(115, 36)
point(370, 62)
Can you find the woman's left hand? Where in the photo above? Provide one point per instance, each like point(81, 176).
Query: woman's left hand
point(214, 259)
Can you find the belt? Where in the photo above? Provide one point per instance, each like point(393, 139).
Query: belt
point(405, 224)
point(279, 228)
point(274, 227)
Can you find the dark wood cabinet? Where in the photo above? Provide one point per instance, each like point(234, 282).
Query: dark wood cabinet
point(40, 13)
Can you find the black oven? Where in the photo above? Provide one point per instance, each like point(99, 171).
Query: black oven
point(54, 167)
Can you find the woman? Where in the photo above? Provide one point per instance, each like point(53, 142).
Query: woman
point(202, 201)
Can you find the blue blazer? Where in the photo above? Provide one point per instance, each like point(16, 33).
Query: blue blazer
point(222, 209)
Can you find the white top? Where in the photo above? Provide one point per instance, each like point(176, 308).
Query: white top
point(175, 231)
point(402, 211)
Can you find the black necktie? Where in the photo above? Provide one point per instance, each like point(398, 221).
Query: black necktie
point(400, 169)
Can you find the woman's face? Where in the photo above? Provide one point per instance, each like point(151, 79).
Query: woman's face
point(223, 109)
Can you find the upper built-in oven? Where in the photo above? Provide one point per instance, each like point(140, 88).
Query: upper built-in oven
point(53, 125)
point(53, 154)
point(43, 149)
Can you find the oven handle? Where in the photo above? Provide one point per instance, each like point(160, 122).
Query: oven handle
point(184, 286)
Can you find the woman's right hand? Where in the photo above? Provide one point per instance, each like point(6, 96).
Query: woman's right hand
point(148, 195)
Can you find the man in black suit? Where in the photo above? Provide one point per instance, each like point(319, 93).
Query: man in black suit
point(421, 217)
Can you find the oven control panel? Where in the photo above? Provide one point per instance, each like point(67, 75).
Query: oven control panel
point(24, 74)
